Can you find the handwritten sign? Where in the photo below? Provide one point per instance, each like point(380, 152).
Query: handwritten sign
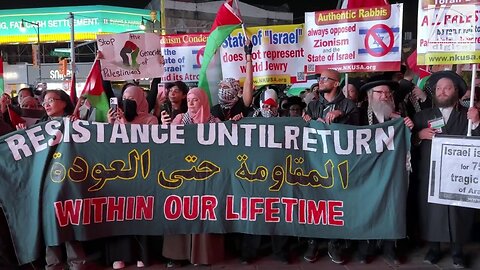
point(455, 171)
point(258, 176)
point(354, 40)
point(448, 33)
point(130, 56)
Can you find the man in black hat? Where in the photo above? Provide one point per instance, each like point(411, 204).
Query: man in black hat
point(294, 106)
point(381, 105)
point(442, 223)
point(380, 108)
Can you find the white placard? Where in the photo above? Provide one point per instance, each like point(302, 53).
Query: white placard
point(455, 171)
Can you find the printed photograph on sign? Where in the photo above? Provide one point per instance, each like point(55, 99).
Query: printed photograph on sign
point(130, 56)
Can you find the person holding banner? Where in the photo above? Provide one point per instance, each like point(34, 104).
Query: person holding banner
point(331, 107)
point(57, 104)
point(198, 249)
point(442, 223)
point(250, 244)
point(379, 109)
point(124, 248)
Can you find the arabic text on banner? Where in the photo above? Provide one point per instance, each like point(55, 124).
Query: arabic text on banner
point(82, 180)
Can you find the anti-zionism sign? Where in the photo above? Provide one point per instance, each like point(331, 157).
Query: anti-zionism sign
point(79, 180)
point(454, 171)
point(448, 32)
point(354, 40)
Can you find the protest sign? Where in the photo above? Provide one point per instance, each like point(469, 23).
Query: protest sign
point(130, 56)
point(455, 171)
point(86, 180)
point(448, 32)
point(183, 56)
point(278, 54)
point(354, 40)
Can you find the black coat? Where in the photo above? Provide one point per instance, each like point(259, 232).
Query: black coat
point(439, 223)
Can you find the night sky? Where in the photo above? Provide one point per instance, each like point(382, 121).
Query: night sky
point(298, 7)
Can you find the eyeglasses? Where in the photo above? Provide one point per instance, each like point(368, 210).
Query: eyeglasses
point(325, 78)
point(387, 94)
point(49, 101)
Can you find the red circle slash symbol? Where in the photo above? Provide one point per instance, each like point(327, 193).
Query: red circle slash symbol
point(372, 32)
point(200, 56)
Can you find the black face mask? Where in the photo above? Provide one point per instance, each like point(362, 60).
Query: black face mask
point(129, 109)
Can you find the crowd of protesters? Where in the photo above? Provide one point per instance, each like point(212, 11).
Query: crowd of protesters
point(363, 101)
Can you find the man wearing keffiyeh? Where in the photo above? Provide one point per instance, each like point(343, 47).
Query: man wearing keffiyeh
point(231, 106)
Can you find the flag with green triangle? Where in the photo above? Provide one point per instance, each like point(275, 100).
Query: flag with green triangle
point(226, 21)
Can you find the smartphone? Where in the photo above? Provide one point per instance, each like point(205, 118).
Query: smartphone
point(113, 103)
point(162, 91)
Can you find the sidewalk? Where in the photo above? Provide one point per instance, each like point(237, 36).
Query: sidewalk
point(414, 262)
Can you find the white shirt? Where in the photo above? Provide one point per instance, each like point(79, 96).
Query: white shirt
point(446, 113)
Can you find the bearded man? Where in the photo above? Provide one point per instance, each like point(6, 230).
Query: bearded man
point(442, 223)
point(379, 109)
point(331, 106)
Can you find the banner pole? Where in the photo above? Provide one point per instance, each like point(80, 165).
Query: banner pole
point(472, 96)
point(339, 4)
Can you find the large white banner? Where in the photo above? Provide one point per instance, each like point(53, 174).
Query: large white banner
point(130, 56)
point(455, 171)
point(354, 40)
point(278, 54)
point(448, 32)
point(183, 56)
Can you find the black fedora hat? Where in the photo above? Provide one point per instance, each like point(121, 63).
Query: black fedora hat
point(379, 80)
point(292, 101)
point(456, 79)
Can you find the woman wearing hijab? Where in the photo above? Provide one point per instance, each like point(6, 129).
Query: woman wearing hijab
point(135, 109)
point(198, 109)
point(198, 249)
point(130, 248)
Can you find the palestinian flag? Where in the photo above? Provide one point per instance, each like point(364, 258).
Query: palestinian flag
point(95, 92)
point(226, 21)
point(421, 71)
point(352, 4)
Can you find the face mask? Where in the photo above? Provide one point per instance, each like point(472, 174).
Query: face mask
point(129, 109)
point(465, 103)
point(227, 97)
point(268, 113)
